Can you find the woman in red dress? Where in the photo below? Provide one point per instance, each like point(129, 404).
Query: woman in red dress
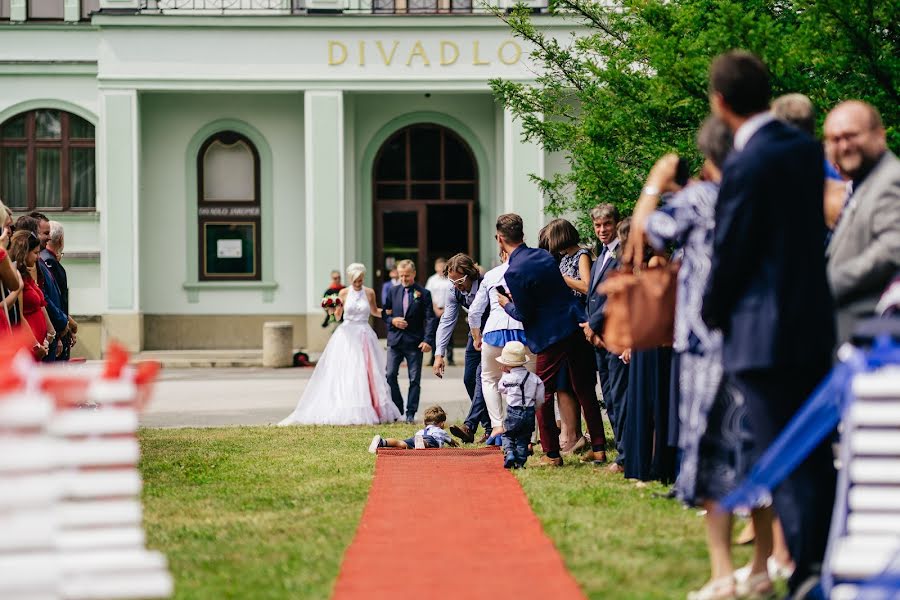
point(25, 250)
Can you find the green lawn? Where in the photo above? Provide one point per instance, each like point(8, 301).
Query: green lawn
point(266, 512)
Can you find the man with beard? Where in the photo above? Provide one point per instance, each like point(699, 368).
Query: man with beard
point(864, 253)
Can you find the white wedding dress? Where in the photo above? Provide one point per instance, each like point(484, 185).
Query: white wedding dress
point(348, 386)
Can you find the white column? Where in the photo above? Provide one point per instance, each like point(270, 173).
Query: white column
point(72, 11)
point(325, 202)
point(119, 184)
point(520, 160)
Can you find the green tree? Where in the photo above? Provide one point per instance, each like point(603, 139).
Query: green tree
point(631, 84)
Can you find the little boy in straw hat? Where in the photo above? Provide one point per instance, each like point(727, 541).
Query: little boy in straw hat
point(523, 391)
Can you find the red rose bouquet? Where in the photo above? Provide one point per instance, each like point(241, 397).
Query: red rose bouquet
point(330, 304)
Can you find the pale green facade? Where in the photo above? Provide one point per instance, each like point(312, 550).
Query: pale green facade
point(316, 95)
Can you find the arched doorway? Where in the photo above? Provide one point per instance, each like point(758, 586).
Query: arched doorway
point(425, 193)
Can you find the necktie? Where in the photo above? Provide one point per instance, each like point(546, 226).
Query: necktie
point(405, 300)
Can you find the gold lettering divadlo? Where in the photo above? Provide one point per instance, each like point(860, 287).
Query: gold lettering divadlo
point(388, 59)
point(332, 60)
point(448, 61)
point(476, 60)
point(418, 50)
point(516, 49)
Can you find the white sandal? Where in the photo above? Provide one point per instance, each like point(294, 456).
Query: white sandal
point(722, 588)
point(754, 587)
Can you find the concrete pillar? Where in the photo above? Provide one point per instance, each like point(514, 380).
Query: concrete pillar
point(72, 11)
point(118, 145)
point(278, 344)
point(521, 195)
point(326, 214)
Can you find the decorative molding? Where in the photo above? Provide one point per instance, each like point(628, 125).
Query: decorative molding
point(267, 288)
point(337, 22)
point(21, 68)
point(84, 256)
point(76, 109)
point(193, 285)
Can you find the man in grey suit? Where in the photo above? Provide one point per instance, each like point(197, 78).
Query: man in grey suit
point(864, 253)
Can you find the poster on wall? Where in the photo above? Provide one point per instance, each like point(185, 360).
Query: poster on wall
point(229, 250)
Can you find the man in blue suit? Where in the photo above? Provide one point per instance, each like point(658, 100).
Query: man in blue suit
point(411, 323)
point(612, 369)
point(768, 290)
point(544, 304)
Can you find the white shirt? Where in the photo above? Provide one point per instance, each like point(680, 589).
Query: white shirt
point(487, 294)
point(750, 127)
point(610, 248)
point(441, 436)
point(512, 389)
point(439, 286)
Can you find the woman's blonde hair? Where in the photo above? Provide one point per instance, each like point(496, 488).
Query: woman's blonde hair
point(355, 271)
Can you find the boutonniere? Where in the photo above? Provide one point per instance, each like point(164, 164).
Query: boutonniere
point(417, 294)
point(617, 253)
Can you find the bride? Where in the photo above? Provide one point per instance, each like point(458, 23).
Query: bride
point(348, 386)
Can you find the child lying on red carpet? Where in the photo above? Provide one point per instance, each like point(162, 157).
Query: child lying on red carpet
point(433, 436)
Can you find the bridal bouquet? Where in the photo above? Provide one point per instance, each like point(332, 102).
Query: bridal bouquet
point(330, 303)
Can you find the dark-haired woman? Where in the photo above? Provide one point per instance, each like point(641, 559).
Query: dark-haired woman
point(25, 249)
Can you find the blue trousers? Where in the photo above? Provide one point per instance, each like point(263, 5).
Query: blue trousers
point(519, 426)
point(472, 379)
point(614, 383)
point(413, 356)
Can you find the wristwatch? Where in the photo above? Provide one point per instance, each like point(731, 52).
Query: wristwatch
point(650, 190)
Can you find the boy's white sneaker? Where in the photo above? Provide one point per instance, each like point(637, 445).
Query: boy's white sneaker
point(420, 441)
point(375, 444)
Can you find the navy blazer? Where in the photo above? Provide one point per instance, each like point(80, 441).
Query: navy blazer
point(54, 301)
point(422, 322)
point(542, 301)
point(767, 289)
point(596, 301)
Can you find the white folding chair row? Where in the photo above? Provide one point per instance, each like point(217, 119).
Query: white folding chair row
point(28, 453)
point(122, 586)
point(29, 489)
point(99, 513)
point(100, 538)
point(101, 484)
point(882, 471)
point(99, 452)
point(21, 411)
point(109, 420)
point(28, 529)
point(864, 555)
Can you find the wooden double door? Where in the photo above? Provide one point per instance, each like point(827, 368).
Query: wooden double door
point(425, 194)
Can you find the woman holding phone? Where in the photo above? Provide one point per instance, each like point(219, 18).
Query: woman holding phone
point(499, 329)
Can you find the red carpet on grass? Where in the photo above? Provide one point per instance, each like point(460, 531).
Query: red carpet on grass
point(450, 524)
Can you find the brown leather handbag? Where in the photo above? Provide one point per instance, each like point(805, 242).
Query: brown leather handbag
point(640, 308)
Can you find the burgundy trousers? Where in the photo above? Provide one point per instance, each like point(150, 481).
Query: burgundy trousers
point(577, 355)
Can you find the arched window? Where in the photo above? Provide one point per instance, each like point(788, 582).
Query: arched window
point(47, 162)
point(228, 207)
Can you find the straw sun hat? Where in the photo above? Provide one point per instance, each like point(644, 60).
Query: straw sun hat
point(513, 355)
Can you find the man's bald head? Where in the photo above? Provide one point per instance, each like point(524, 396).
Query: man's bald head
point(854, 137)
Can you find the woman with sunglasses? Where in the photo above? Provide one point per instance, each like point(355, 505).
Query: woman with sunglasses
point(25, 249)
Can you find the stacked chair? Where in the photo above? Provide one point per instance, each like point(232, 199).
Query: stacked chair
point(864, 551)
point(70, 510)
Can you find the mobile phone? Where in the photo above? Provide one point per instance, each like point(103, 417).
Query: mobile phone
point(502, 290)
point(682, 172)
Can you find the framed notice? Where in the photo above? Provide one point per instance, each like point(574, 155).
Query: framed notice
point(230, 250)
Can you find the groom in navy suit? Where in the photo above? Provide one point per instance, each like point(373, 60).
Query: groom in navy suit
point(551, 315)
point(768, 291)
point(411, 323)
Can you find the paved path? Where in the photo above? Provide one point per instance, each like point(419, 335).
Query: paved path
point(257, 396)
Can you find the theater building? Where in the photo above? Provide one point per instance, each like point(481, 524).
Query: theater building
point(213, 160)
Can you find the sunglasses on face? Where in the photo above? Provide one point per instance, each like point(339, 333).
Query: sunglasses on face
point(459, 281)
